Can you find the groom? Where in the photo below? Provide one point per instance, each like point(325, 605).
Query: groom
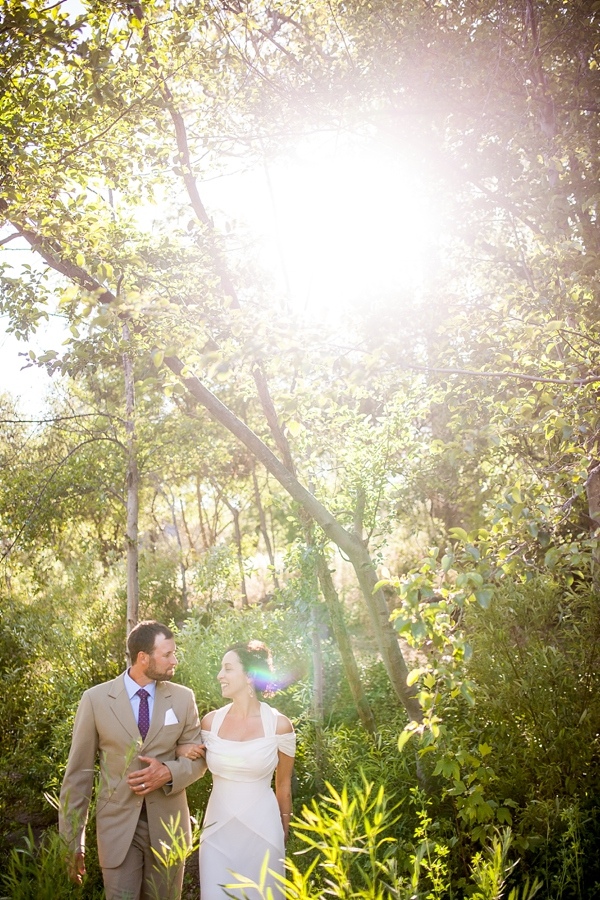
point(141, 801)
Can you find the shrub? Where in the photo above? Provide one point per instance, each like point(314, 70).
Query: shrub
point(57, 657)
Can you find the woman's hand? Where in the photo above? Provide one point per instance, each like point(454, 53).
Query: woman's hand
point(191, 751)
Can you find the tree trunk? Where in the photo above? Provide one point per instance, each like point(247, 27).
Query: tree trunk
point(338, 625)
point(263, 526)
point(238, 544)
point(317, 698)
point(131, 534)
point(170, 501)
point(206, 541)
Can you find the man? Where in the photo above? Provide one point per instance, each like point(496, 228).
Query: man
point(141, 801)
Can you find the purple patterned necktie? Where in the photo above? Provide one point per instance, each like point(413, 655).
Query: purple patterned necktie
point(143, 713)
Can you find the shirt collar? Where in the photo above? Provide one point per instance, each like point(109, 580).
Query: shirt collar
point(132, 687)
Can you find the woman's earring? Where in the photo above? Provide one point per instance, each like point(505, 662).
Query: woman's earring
point(251, 690)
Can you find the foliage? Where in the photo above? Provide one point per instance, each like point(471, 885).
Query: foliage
point(538, 685)
point(348, 755)
point(173, 854)
point(356, 850)
point(352, 837)
point(160, 587)
point(214, 577)
point(510, 732)
point(39, 871)
point(50, 652)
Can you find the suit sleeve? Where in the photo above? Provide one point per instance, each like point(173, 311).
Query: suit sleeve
point(185, 771)
point(78, 781)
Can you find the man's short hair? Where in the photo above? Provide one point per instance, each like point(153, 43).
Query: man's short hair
point(141, 638)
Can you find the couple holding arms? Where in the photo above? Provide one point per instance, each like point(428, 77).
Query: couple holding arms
point(151, 746)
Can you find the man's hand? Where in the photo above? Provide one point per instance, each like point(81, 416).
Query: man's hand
point(76, 867)
point(144, 781)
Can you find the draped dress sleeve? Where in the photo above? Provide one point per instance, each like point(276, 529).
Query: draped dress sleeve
point(286, 743)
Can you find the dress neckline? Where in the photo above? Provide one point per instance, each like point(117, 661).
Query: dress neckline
point(233, 741)
point(219, 718)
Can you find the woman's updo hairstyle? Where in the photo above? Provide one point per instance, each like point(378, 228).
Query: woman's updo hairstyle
point(256, 661)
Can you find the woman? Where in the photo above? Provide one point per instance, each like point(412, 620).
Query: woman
point(246, 741)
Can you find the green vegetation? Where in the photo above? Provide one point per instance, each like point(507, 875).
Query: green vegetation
point(401, 496)
point(508, 772)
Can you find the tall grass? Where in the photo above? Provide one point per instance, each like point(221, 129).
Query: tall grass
point(38, 871)
point(354, 855)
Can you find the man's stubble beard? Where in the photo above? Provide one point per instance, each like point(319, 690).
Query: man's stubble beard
point(157, 676)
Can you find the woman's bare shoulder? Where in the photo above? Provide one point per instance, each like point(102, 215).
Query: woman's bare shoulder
point(284, 726)
point(207, 720)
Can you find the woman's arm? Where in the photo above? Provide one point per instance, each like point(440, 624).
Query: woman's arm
point(283, 778)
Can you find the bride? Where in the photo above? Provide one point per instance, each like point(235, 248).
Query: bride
point(246, 741)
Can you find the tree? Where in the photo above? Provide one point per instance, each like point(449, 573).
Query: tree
point(400, 60)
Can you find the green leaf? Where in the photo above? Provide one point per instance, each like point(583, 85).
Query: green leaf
point(401, 625)
point(105, 271)
point(381, 584)
point(447, 561)
point(551, 558)
point(467, 692)
point(459, 788)
point(413, 676)
point(404, 738)
point(418, 630)
point(484, 596)
point(68, 295)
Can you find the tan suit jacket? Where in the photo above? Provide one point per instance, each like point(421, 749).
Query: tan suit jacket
point(105, 726)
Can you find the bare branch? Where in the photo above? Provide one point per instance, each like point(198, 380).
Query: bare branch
point(54, 419)
point(10, 238)
point(518, 376)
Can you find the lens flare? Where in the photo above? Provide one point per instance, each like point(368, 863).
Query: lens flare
point(271, 682)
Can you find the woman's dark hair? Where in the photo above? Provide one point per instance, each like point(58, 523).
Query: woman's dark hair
point(256, 661)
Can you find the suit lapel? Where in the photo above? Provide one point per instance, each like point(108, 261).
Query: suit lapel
point(121, 707)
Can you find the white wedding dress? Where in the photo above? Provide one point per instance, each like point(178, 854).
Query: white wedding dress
point(242, 823)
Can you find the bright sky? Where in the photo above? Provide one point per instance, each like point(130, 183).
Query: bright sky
point(338, 225)
point(28, 386)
